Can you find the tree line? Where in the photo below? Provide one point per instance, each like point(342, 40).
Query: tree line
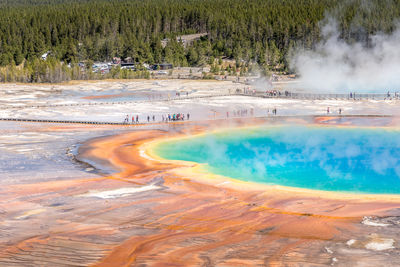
point(261, 32)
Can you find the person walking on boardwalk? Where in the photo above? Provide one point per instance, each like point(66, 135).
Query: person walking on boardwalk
point(137, 118)
point(188, 116)
point(133, 119)
point(148, 118)
point(154, 118)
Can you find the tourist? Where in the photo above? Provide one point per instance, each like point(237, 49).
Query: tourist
point(154, 118)
point(148, 118)
point(137, 119)
point(340, 111)
point(188, 116)
point(133, 119)
point(327, 110)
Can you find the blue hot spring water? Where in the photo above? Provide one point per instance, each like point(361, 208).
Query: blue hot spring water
point(358, 160)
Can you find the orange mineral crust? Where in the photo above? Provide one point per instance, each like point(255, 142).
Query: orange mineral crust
point(199, 222)
point(153, 212)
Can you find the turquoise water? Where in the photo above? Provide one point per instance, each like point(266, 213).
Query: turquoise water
point(359, 160)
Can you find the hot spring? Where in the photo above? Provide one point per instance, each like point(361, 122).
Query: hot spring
point(347, 159)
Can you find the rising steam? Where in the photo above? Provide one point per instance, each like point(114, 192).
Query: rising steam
point(337, 66)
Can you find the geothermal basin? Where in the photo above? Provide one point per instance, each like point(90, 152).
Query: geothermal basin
point(313, 191)
point(331, 158)
point(262, 190)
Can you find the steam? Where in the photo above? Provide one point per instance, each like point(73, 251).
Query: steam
point(261, 84)
point(262, 81)
point(337, 66)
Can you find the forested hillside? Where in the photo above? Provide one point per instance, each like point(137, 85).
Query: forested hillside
point(249, 31)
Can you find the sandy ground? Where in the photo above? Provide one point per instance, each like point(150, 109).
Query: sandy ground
point(77, 195)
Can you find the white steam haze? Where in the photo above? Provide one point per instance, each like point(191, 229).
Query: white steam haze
point(337, 66)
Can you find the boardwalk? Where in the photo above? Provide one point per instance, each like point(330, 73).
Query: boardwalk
point(175, 122)
point(329, 96)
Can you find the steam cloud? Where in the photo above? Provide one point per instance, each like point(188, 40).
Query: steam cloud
point(336, 66)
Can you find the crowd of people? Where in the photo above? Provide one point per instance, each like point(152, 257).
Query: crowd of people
point(134, 119)
point(278, 93)
point(241, 113)
point(164, 118)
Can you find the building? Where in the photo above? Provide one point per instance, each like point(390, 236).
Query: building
point(116, 60)
point(128, 65)
point(163, 66)
point(128, 60)
point(186, 40)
